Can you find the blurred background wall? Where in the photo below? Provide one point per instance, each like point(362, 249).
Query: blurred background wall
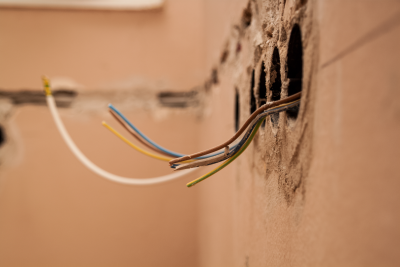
point(97, 48)
point(54, 212)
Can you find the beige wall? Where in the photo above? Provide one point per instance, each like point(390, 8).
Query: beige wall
point(318, 192)
point(99, 48)
point(54, 212)
point(220, 16)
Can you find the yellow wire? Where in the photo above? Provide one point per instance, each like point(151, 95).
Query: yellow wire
point(120, 136)
point(48, 92)
point(134, 146)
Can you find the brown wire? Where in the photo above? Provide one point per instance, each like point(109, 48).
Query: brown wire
point(241, 130)
point(133, 133)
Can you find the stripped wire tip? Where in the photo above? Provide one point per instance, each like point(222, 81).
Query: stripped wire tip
point(46, 85)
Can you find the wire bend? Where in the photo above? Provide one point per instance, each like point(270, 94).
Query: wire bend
point(90, 165)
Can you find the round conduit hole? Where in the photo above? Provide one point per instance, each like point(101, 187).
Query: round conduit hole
point(253, 106)
point(262, 89)
point(2, 136)
point(276, 83)
point(237, 110)
point(295, 67)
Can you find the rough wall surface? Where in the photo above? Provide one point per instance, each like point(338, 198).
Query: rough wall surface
point(319, 189)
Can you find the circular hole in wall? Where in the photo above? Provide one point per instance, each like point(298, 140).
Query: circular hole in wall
point(2, 136)
point(276, 83)
point(262, 89)
point(294, 67)
point(237, 110)
point(253, 106)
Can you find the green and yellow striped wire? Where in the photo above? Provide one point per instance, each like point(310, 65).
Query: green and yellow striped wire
point(229, 161)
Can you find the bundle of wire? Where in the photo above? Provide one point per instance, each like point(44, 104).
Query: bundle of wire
point(245, 138)
point(240, 147)
point(228, 154)
point(136, 133)
point(185, 163)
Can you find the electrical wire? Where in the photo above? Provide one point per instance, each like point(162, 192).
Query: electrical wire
point(90, 165)
point(207, 175)
point(214, 160)
point(241, 130)
point(120, 136)
point(255, 125)
point(230, 153)
point(135, 135)
point(149, 141)
point(133, 145)
point(217, 159)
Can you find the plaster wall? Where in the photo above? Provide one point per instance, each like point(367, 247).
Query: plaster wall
point(316, 191)
point(321, 190)
point(103, 49)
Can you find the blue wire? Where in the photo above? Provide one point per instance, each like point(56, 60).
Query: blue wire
point(174, 154)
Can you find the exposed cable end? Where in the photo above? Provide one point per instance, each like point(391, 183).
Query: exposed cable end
point(46, 85)
point(179, 159)
point(194, 182)
point(226, 151)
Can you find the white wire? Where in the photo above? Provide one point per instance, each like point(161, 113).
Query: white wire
point(94, 168)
